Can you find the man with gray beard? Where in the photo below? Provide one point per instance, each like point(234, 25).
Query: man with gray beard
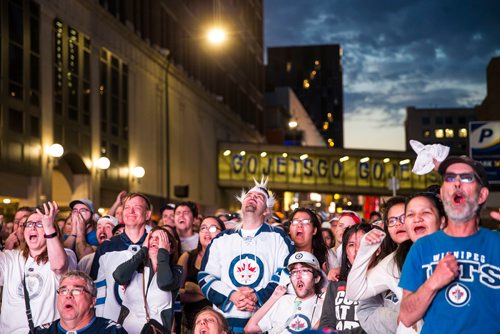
point(451, 278)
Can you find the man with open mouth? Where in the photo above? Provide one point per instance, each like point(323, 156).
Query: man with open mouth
point(451, 278)
point(76, 299)
point(287, 313)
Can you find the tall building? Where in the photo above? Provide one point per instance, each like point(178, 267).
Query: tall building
point(446, 126)
point(489, 108)
point(133, 81)
point(315, 75)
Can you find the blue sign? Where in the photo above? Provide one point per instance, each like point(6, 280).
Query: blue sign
point(484, 144)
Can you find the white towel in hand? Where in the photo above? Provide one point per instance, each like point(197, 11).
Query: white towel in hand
point(426, 155)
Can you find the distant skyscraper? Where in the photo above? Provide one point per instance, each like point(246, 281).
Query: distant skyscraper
point(315, 75)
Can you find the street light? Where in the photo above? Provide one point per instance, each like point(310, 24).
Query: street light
point(55, 150)
point(103, 163)
point(216, 35)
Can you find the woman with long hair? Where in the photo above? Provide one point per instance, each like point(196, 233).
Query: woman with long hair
point(339, 313)
point(306, 233)
point(191, 296)
point(151, 275)
point(35, 267)
point(425, 215)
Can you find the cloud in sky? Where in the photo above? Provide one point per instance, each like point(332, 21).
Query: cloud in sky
point(396, 54)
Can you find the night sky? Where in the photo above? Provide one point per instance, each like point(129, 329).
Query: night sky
point(397, 53)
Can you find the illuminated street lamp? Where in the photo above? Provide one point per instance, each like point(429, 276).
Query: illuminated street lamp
point(55, 150)
point(216, 36)
point(103, 163)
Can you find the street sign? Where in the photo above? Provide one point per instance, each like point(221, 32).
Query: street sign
point(484, 146)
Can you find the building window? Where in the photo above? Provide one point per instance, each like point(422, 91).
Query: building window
point(426, 133)
point(426, 120)
point(113, 88)
point(439, 133)
point(289, 66)
point(439, 120)
point(72, 87)
point(449, 133)
point(448, 120)
point(20, 70)
point(16, 121)
point(462, 120)
point(462, 133)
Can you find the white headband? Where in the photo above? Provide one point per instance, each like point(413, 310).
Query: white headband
point(261, 188)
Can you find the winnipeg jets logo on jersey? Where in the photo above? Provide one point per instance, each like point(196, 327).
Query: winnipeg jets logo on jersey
point(299, 323)
point(457, 295)
point(246, 270)
point(34, 285)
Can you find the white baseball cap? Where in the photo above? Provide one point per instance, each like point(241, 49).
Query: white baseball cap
point(304, 257)
point(108, 219)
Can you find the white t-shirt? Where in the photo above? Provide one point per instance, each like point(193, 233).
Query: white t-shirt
point(157, 299)
point(189, 243)
point(290, 315)
point(41, 283)
point(85, 263)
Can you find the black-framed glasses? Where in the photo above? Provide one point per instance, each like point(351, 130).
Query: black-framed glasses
point(301, 272)
point(30, 224)
point(82, 210)
point(211, 229)
point(393, 221)
point(296, 222)
point(464, 177)
point(73, 291)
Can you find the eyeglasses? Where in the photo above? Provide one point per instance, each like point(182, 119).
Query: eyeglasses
point(30, 224)
point(296, 222)
point(211, 229)
point(206, 320)
point(82, 210)
point(73, 291)
point(301, 272)
point(464, 177)
point(393, 221)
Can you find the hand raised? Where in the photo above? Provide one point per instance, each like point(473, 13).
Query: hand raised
point(163, 241)
point(373, 237)
point(49, 217)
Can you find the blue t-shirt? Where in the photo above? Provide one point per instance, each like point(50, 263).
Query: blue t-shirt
point(469, 304)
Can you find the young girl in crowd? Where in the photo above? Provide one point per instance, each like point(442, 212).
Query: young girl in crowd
point(420, 215)
point(191, 296)
point(306, 233)
point(152, 273)
point(339, 313)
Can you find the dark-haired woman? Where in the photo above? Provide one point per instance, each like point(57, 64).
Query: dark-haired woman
point(191, 296)
point(339, 313)
point(152, 273)
point(36, 266)
point(420, 215)
point(306, 233)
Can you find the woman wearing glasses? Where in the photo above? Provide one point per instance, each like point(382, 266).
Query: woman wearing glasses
point(420, 215)
point(306, 233)
point(191, 296)
point(152, 279)
point(35, 267)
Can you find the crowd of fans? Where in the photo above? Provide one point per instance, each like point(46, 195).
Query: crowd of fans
point(422, 265)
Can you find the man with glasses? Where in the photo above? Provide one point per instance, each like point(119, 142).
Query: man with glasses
point(241, 266)
point(16, 237)
point(111, 253)
point(451, 277)
point(293, 313)
point(75, 302)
